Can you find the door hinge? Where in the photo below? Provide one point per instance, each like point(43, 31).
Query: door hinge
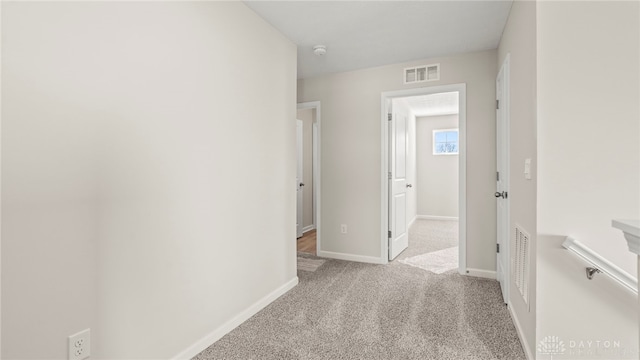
point(498, 248)
point(497, 175)
point(389, 116)
point(389, 175)
point(497, 104)
point(389, 233)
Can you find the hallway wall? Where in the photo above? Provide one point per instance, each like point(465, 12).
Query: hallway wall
point(576, 309)
point(519, 41)
point(351, 143)
point(589, 167)
point(588, 124)
point(437, 183)
point(129, 156)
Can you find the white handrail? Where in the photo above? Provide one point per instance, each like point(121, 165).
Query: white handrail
point(602, 264)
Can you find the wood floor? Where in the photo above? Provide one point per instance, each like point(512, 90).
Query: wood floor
point(307, 243)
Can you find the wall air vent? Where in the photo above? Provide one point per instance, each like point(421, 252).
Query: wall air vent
point(520, 262)
point(422, 73)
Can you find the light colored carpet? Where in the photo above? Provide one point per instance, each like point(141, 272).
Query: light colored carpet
point(437, 262)
point(307, 264)
point(348, 310)
point(427, 236)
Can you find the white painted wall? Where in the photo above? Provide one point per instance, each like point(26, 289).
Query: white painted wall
point(308, 118)
point(437, 180)
point(576, 309)
point(589, 162)
point(129, 159)
point(351, 152)
point(519, 40)
point(589, 148)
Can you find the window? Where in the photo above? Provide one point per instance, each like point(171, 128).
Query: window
point(445, 142)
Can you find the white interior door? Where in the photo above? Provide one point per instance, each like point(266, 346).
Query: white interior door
point(502, 181)
point(299, 183)
point(398, 237)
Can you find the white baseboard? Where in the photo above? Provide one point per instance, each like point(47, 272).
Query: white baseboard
point(350, 257)
point(525, 344)
point(308, 228)
point(434, 217)
point(487, 274)
point(412, 221)
point(214, 336)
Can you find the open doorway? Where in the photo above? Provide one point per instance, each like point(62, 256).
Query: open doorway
point(308, 182)
point(424, 177)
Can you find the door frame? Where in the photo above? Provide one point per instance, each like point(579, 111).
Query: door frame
point(316, 146)
point(504, 110)
point(386, 98)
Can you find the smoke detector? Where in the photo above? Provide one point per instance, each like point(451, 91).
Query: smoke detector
point(319, 50)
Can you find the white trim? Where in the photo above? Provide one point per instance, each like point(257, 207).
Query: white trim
point(631, 230)
point(315, 169)
point(0, 194)
point(317, 177)
point(525, 345)
point(385, 102)
point(412, 222)
point(444, 113)
point(308, 228)
point(351, 257)
point(435, 217)
point(385, 105)
point(487, 274)
point(624, 278)
point(462, 178)
point(227, 327)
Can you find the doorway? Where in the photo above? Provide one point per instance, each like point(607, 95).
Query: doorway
point(502, 179)
point(308, 183)
point(399, 182)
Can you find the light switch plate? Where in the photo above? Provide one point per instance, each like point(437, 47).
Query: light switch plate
point(527, 169)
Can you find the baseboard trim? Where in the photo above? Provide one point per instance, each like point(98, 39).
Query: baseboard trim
point(412, 221)
point(434, 217)
point(308, 228)
point(218, 333)
point(350, 257)
point(487, 274)
point(525, 344)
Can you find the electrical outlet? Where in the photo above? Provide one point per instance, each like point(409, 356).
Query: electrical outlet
point(80, 345)
point(343, 228)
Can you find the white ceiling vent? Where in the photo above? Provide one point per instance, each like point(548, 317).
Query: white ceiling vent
point(422, 73)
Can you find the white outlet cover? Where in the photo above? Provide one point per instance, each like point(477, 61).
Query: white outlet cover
point(79, 345)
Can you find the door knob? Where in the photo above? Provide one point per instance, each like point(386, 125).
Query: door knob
point(501, 194)
point(301, 184)
point(409, 185)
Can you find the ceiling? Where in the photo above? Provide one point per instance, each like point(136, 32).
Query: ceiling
point(362, 34)
point(432, 105)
